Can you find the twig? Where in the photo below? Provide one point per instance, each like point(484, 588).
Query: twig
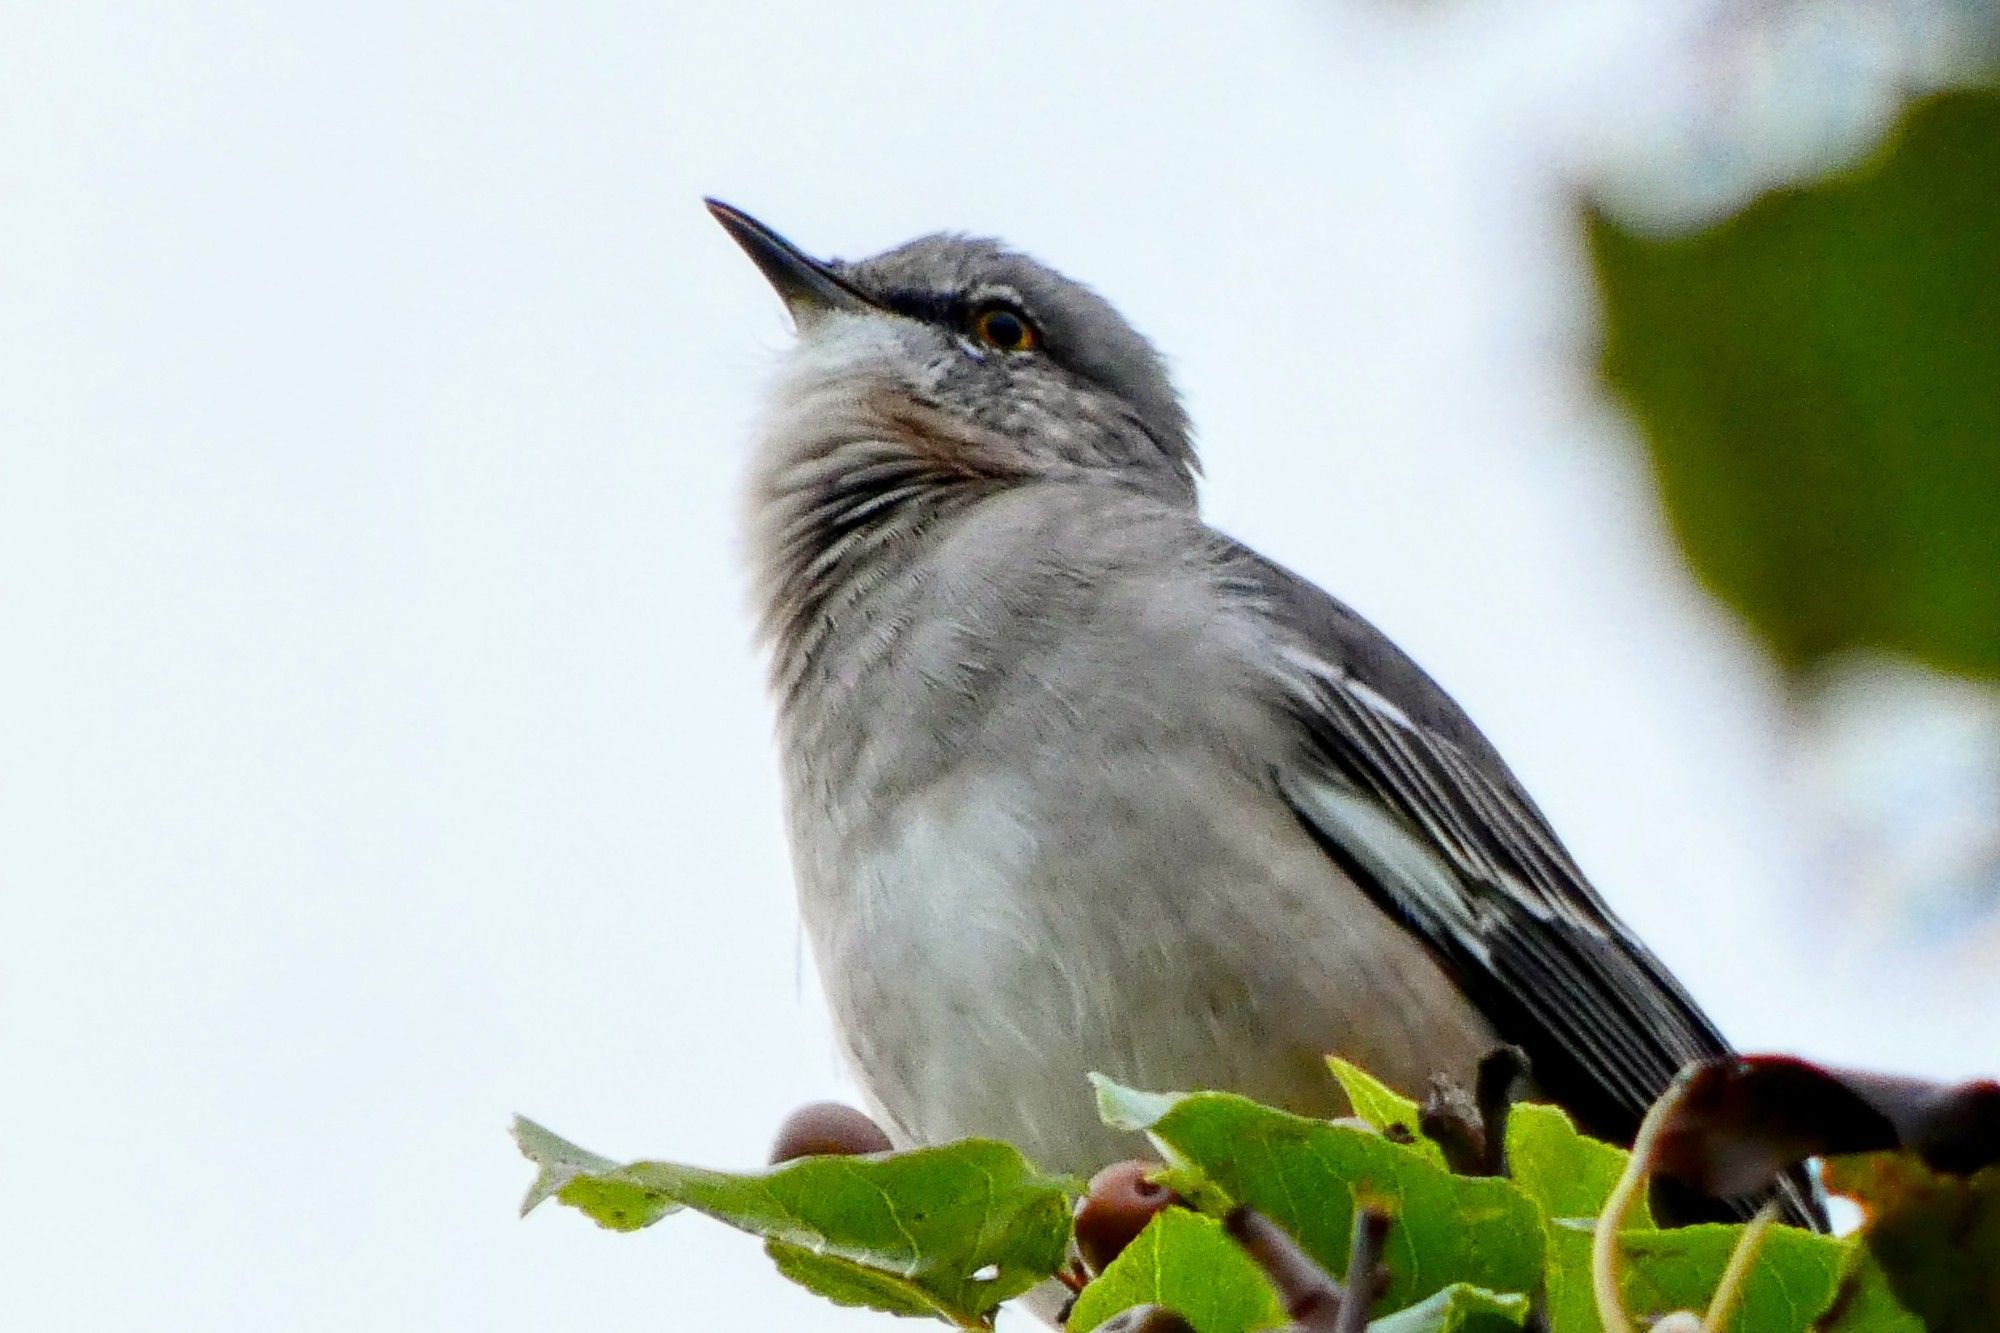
point(1730, 1289)
point(1367, 1279)
point(1500, 1073)
point(1309, 1293)
point(1604, 1255)
point(1313, 1300)
point(1450, 1118)
point(1471, 1129)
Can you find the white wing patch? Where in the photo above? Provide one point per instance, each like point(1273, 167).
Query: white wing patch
point(1458, 807)
point(1390, 852)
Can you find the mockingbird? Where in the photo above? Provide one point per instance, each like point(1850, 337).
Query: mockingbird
point(1075, 782)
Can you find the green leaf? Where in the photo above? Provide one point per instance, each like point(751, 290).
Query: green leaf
point(560, 1161)
point(1792, 1281)
point(1567, 1173)
point(1308, 1175)
point(949, 1231)
point(1815, 378)
point(1459, 1308)
point(1935, 1238)
point(1383, 1107)
point(1202, 1194)
point(845, 1282)
point(1131, 1109)
point(1189, 1264)
point(1864, 1302)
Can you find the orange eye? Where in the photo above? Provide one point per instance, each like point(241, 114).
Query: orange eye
point(1004, 328)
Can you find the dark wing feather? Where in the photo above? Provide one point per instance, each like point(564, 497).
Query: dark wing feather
point(1402, 790)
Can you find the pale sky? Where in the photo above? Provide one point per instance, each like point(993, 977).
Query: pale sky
point(385, 749)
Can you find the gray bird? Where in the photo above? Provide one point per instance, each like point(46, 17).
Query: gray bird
point(1075, 782)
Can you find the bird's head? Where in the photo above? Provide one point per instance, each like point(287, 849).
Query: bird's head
point(974, 358)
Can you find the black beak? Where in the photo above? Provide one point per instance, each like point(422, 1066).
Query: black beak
point(806, 285)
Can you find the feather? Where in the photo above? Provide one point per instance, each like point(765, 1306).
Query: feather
point(1399, 787)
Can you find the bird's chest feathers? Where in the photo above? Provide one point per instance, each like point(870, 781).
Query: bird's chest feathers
point(965, 948)
point(1021, 681)
point(943, 885)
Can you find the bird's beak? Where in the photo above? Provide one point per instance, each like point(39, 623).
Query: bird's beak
point(808, 287)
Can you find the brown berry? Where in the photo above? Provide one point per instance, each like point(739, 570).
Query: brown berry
point(1116, 1208)
point(827, 1129)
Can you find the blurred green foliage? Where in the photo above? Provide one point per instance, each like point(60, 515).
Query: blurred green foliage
point(1818, 380)
point(1923, 1227)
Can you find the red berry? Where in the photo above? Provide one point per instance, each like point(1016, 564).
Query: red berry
point(827, 1129)
point(1116, 1208)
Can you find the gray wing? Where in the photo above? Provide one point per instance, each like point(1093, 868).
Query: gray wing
point(1402, 790)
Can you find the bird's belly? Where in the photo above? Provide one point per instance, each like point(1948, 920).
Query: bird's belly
point(997, 940)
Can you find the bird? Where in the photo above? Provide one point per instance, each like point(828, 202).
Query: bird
point(1075, 782)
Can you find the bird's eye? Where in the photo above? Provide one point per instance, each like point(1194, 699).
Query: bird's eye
point(1004, 328)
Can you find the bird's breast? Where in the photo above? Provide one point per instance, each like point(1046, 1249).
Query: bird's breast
point(1032, 788)
point(995, 938)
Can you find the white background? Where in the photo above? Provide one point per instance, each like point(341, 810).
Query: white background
point(383, 747)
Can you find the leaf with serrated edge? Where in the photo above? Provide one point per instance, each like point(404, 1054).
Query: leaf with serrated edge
point(1308, 1175)
point(1459, 1308)
point(845, 1282)
point(560, 1161)
point(1568, 1173)
point(1382, 1106)
point(951, 1231)
point(1189, 1264)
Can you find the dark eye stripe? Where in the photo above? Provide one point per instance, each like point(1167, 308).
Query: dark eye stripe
point(947, 308)
point(952, 310)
